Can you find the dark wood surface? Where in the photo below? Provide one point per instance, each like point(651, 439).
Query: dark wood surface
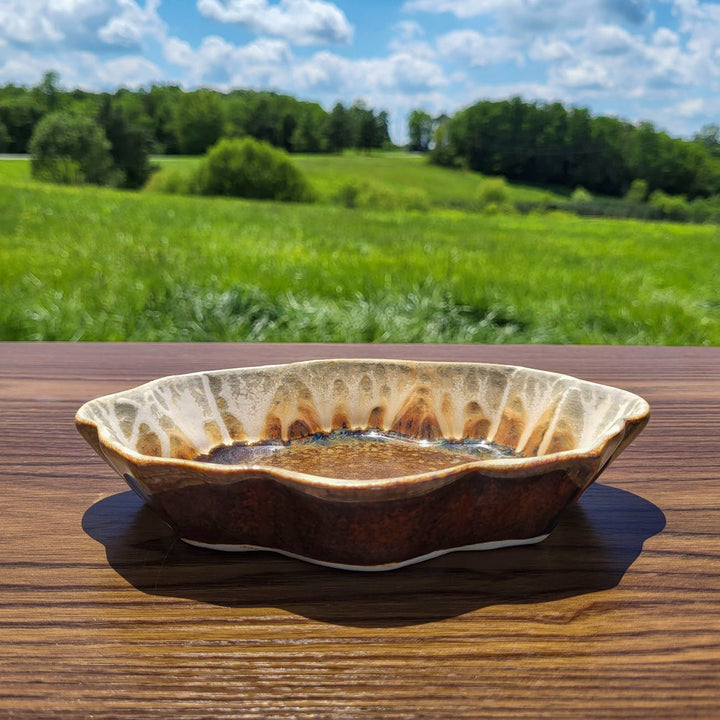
point(104, 614)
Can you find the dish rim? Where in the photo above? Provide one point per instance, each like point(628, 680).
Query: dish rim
point(494, 467)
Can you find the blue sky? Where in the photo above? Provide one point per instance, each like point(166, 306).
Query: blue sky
point(637, 59)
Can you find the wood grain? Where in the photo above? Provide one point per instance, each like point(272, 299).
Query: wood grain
point(104, 614)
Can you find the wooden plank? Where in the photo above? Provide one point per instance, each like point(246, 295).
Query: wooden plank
point(103, 613)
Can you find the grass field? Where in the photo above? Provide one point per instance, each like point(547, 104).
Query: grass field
point(82, 263)
point(386, 171)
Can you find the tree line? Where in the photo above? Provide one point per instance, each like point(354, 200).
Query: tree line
point(165, 119)
point(551, 145)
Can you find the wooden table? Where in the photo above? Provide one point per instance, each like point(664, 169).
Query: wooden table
point(104, 614)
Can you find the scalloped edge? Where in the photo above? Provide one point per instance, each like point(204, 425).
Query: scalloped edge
point(500, 466)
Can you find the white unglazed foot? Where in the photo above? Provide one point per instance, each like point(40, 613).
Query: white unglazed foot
point(493, 545)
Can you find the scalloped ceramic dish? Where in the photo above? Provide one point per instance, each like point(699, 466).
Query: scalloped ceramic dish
point(362, 464)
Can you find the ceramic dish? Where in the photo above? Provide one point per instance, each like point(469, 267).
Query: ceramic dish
point(362, 464)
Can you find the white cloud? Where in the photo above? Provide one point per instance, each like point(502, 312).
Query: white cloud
point(536, 15)
point(686, 117)
point(407, 30)
point(270, 62)
point(301, 22)
point(700, 21)
point(586, 75)
point(410, 73)
point(224, 64)
point(610, 40)
point(132, 71)
point(179, 52)
point(695, 15)
point(399, 72)
point(22, 68)
point(591, 48)
point(78, 24)
point(477, 49)
point(664, 37)
point(604, 60)
point(408, 37)
point(79, 69)
point(132, 24)
point(690, 108)
point(550, 50)
point(459, 8)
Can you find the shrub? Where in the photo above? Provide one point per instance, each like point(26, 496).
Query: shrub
point(63, 170)
point(174, 182)
point(494, 196)
point(375, 196)
point(71, 148)
point(581, 195)
point(348, 194)
point(638, 191)
point(673, 207)
point(613, 208)
point(493, 208)
point(494, 190)
point(706, 209)
point(415, 199)
point(251, 169)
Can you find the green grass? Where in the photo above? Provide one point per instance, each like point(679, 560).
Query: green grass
point(401, 170)
point(87, 263)
point(14, 171)
point(394, 171)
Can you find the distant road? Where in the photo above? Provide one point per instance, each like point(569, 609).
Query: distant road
point(14, 156)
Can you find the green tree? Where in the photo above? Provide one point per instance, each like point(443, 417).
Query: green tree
point(20, 114)
point(47, 93)
point(198, 121)
point(160, 104)
point(129, 131)
point(4, 137)
point(309, 133)
point(263, 121)
point(368, 130)
point(66, 147)
point(443, 150)
point(338, 131)
point(709, 138)
point(551, 135)
point(579, 159)
point(611, 140)
point(382, 134)
point(548, 144)
point(420, 130)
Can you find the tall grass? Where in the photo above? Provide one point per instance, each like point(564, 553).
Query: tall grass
point(96, 264)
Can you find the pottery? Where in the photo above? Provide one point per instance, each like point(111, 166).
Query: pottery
point(362, 464)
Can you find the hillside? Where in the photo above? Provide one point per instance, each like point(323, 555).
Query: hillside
point(394, 171)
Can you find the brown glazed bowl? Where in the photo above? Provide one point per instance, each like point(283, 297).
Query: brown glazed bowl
point(561, 433)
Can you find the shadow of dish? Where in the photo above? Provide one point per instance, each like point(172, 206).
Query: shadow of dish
point(593, 545)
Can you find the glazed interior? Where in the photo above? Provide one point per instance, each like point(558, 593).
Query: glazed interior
point(534, 413)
